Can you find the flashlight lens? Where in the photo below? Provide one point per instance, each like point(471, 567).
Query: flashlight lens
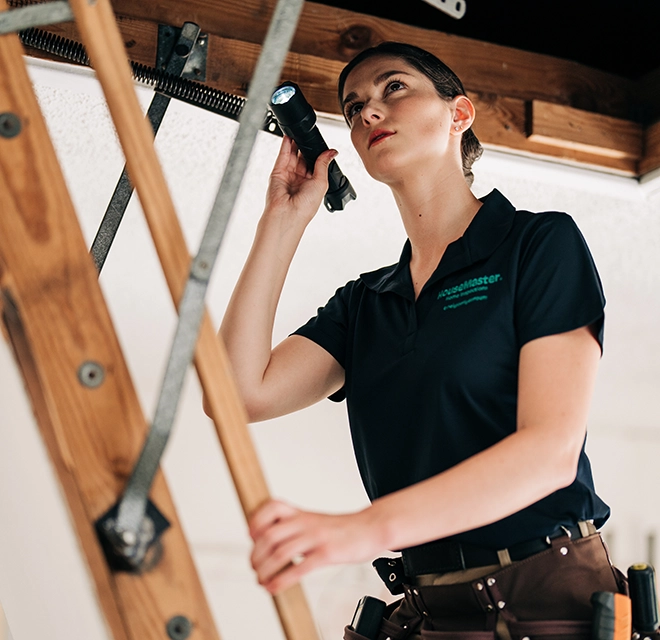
point(283, 95)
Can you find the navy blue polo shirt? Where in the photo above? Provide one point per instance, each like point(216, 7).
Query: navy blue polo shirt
point(433, 381)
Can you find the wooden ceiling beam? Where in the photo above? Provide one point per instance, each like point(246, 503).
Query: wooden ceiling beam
point(586, 114)
point(651, 159)
point(337, 34)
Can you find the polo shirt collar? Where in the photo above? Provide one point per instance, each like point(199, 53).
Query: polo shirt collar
point(484, 234)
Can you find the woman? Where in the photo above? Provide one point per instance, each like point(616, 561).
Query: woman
point(468, 369)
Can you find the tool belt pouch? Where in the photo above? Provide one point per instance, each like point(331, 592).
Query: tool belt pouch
point(546, 596)
point(549, 595)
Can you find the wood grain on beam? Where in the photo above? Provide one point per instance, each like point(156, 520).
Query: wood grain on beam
point(651, 160)
point(501, 123)
point(560, 126)
point(338, 34)
point(58, 320)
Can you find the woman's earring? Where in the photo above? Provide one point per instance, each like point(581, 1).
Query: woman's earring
point(457, 128)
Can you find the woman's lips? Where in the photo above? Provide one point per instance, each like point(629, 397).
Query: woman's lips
point(379, 135)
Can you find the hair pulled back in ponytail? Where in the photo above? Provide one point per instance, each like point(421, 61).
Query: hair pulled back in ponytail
point(446, 83)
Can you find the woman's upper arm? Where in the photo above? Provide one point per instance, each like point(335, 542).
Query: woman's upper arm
point(556, 380)
point(299, 374)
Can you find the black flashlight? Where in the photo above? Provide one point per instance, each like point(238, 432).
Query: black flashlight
point(298, 121)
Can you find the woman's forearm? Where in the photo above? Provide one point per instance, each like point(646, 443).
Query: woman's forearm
point(490, 486)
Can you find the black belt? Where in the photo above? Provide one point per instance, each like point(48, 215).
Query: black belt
point(443, 556)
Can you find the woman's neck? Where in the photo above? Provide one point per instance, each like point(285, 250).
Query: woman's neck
point(435, 213)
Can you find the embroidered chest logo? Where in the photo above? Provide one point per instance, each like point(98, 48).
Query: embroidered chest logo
point(469, 291)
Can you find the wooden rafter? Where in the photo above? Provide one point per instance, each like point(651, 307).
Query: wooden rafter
point(601, 129)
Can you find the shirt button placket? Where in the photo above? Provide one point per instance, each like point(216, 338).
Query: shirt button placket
point(411, 337)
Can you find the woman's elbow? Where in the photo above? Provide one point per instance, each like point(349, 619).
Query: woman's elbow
point(567, 468)
point(254, 410)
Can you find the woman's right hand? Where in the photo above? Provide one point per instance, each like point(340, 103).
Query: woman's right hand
point(293, 189)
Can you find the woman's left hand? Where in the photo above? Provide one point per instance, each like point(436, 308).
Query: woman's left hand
point(288, 542)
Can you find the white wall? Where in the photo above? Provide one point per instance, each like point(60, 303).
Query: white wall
point(307, 457)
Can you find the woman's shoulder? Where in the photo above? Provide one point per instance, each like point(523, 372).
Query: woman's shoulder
point(552, 227)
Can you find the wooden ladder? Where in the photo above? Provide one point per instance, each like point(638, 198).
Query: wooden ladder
point(58, 324)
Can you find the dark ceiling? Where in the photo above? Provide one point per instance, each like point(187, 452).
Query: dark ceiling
point(621, 37)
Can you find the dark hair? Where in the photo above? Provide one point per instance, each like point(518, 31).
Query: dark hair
point(445, 81)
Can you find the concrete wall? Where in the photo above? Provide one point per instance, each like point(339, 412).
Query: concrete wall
point(307, 457)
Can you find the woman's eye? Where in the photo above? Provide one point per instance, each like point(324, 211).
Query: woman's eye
point(395, 85)
point(353, 110)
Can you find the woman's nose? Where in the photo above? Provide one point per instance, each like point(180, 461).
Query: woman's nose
point(370, 113)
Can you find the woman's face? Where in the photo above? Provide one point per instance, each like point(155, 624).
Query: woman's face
point(398, 121)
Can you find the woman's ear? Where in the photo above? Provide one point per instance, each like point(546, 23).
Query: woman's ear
point(463, 114)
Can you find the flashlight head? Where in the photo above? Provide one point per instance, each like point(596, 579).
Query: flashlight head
point(292, 109)
point(283, 94)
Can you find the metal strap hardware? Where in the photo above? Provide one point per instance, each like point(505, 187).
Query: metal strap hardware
point(114, 214)
point(37, 15)
point(454, 8)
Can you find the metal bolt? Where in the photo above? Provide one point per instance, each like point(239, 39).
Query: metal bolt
point(489, 607)
point(563, 551)
point(416, 592)
point(480, 586)
point(129, 537)
point(179, 628)
point(10, 125)
point(91, 374)
point(491, 581)
point(501, 604)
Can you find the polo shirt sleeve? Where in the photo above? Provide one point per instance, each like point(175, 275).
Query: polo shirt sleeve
point(329, 330)
point(329, 327)
point(558, 287)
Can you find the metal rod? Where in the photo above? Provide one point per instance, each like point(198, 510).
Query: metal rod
point(37, 15)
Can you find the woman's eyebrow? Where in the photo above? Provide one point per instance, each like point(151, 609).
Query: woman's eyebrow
point(380, 78)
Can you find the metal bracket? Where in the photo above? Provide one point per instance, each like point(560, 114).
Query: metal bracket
point(125, 550)
point(37, 15)
point(454, 8)
point(180, 50)
point(169, 43)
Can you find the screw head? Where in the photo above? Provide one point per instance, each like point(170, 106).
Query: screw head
point(91, 374)
point(10, 125)
point(179, 628)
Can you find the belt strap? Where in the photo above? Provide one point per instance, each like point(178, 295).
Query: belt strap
point(443, 556)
